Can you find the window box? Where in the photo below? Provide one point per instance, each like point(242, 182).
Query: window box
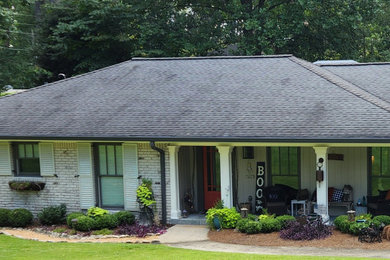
point(26, 185)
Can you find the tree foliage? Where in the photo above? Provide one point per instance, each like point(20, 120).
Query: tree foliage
point(77, 36)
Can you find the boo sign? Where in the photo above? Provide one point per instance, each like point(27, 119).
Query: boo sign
point(260, 179)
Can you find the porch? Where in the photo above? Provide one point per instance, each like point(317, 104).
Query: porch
point(232, 173)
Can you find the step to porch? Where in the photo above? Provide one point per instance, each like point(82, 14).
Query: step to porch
point(193, 219)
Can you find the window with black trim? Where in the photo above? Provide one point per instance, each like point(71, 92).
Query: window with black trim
point(285, 166)
point(109, 169)
point(380, 169)
point(26, 157)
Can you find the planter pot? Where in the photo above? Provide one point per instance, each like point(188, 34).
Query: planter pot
point(26, 185)
point(146, 216)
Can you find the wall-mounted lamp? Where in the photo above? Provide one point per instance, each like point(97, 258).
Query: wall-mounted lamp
point(319, 172)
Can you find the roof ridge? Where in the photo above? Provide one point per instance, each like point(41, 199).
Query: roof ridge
point(66, 79)
point(212, 57)
point(355, 64)
point(342, 83)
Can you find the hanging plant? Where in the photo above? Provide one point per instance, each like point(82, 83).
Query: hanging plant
point(26, 185)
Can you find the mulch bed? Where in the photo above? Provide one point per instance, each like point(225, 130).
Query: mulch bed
point(336, 240)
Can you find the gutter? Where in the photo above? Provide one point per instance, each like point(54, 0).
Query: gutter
point(204, 139)
point(163, 184)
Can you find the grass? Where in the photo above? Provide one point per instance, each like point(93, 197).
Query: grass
point(15, 248)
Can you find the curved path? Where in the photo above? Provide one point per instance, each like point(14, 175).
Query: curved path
point(195, 237)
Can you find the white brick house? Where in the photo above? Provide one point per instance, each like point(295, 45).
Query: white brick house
point(217, 120)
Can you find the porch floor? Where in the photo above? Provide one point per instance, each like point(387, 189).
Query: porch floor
point(193, 219)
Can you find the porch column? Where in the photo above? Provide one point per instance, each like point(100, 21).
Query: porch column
point(174, 179)
point(225, 154)
point(322, 187)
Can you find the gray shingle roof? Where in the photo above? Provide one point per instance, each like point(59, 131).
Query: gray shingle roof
point(372, 77)
point(245, 98)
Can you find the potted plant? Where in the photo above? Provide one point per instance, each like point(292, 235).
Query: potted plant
point(26, 185)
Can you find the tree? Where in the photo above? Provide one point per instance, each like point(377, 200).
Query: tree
point(18, 64)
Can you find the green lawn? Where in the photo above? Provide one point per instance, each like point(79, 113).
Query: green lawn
point(15, 248)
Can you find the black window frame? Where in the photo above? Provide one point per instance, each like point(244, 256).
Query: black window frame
point(370, 175)
point(98, 186)
point(269, 164)
point(15, 152)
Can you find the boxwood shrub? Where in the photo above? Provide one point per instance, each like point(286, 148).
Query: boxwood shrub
point(106, 221)
point(4, 217)
point(20, 218)
point(84, 223)
point(125, 218)
point(52, 215)
point(227, 217)
point(72, 216)
point(269, 225)
point(342, 223)
point(382, 219)
point(284, 220)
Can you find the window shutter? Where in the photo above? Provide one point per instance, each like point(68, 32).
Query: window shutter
point(130, 175)
point(87, 194)
point(5, 159)
point(46, 159)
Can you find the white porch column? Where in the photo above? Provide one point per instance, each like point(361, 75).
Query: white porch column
point(174, 179)
point(225, 154)
point(322, 187)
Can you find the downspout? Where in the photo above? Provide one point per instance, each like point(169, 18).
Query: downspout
point(163, 184)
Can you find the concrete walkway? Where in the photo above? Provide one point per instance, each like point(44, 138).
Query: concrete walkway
point(195, 237)
point(185, 234)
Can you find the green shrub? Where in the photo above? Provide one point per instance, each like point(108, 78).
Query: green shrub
point(269, 225)
point(252, 217)
point(4, 217)
point(382, 219)
point(103, 232)
point(73, 232)
point(52, 215)
point(72, 216)
point(354, 227)
point(253, 227)
point(241, 224)
point(125, 217)
point(96, 212)
point(227, 217)
point(284, 220)
point(106, 221)
point(367, 216)
point(20, 218)
point(84, 223)
point(343, 224)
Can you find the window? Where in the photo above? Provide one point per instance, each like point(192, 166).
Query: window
point(109, 174)
point(380, 169)
point(284, 166)
point(248, 153)
point(26, 159)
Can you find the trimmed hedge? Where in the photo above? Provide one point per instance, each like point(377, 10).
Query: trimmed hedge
point(106, 221)
point(382, 219)
point(4, 217)
point(20, 218)
point(269, 225)
point(52, 215)
point(72, 216)
point(125, 218)
point(284, 220)
point(84, 223)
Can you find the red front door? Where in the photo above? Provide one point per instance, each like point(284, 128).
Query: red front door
point(211, 176)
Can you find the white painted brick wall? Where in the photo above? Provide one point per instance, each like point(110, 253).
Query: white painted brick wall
point(64, 189)
point(149, 168)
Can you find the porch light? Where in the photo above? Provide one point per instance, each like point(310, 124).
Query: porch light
point(372, 158)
